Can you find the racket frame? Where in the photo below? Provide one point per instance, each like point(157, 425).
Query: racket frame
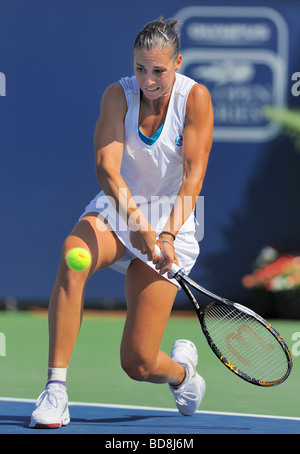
point(184, 281)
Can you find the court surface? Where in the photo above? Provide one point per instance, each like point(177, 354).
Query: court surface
point(123, 419)
point(118, 405)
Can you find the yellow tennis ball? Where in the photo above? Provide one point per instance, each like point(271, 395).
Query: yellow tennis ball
point(79, 258)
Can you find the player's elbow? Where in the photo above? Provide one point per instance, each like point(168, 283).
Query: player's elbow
point(193, 183)
point(106, 174)
point(103, 174)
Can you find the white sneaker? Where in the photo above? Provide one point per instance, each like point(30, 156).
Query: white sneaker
point(189, 394)
point(51, 408)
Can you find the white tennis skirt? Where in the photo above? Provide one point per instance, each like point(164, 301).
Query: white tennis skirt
point(186, 246)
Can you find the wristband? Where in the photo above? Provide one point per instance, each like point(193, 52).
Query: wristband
point(168, 233)
point(167, 241)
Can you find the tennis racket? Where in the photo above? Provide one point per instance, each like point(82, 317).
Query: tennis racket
point(242, 340)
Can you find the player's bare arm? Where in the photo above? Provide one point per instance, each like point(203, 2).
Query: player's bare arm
point(197, 141)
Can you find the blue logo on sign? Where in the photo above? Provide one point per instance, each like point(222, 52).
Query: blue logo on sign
point(178, 141)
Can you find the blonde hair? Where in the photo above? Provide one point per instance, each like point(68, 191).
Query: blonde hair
point(159, 34)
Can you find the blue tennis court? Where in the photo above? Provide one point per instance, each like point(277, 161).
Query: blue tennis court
point(113, 419)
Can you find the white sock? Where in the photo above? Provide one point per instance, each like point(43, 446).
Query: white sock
point(57, 375)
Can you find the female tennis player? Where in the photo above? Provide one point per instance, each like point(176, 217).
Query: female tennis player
point(152, 142)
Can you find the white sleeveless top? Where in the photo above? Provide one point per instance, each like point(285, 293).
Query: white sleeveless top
point(153, 173)
point(154, 170)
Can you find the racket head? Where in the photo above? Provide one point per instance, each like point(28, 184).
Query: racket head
point(246, 343)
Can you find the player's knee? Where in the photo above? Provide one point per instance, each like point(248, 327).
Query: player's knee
point(137, 368)
point(69, 278)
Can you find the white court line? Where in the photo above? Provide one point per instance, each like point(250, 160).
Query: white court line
point(136, 407)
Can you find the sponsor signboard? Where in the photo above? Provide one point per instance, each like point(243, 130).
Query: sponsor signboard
point(240, 54)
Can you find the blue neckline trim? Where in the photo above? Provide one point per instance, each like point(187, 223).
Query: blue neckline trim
point(150, 140)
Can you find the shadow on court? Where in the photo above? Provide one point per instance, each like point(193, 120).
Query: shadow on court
point(98, 419)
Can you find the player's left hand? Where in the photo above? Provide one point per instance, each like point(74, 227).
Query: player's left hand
point(164, 261)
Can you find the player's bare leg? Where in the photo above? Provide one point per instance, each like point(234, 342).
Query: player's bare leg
point(66, 302)
point(65, 314)
point(150, 298)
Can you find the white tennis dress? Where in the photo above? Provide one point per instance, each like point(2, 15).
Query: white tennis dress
point(153, 174)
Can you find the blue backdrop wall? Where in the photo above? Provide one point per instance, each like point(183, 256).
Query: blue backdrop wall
point(56, 59)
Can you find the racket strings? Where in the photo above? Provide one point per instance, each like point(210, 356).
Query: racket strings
point(246, 343)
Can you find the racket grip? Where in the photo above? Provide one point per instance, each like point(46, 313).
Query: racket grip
point(174, 268)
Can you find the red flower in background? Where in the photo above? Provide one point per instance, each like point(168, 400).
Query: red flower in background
point(274, 272)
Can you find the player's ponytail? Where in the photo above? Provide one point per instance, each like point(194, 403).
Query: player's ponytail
point(159, 34)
